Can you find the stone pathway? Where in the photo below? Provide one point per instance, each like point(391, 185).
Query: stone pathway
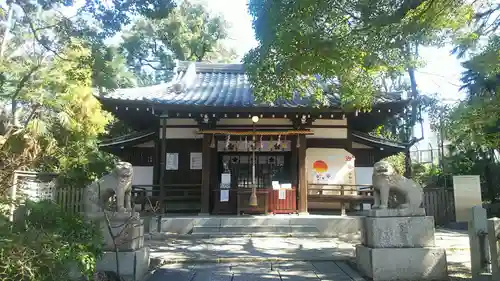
point(269, 271)
point(249, 249)
point(227, 256)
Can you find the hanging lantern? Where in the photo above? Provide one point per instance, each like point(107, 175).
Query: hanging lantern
point(278, 143)
point(261, 143)
point(228, 139)
point(212, 143)
point(253, 197)
point(298, 141)
point(246, 143)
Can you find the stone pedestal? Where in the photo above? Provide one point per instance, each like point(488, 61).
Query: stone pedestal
point(400, 245)
point(133, 257)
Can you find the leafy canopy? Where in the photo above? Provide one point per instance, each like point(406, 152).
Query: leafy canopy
point(343, 47)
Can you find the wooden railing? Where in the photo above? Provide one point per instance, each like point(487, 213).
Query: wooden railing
point(176, 197)
point(345, 194)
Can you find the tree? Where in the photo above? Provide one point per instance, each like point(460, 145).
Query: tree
point(188, 33)
point(346, 47)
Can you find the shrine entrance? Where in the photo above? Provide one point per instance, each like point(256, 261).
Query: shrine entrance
point(237, 168)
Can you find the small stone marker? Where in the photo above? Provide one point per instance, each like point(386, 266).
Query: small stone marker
point(494, 239)
point(478, 230)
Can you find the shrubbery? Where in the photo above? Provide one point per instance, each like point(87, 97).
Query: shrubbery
point(47, 244)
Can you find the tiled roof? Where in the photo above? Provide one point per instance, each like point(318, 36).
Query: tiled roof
point(379, 142)
point(212, 85)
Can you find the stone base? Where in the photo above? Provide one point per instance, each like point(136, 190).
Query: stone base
point(133, 265)
point(419, 212)
point(402, 264)
point(398, 232)
point(128, 228)
point(129, 234)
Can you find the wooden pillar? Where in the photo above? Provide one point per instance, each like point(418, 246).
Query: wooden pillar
point(156, 160)
point(301, 153)
point(163, 160)
point(205, 176)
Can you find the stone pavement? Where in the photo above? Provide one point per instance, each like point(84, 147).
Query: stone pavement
point(265, 271)
point(184, 256)
point(249, 249)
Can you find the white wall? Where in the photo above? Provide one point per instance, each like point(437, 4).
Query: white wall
point(142, 175)
point(191, 133)
point(364, 175)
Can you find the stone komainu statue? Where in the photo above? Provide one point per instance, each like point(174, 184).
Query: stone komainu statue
point(118, 182)
point(385, 180)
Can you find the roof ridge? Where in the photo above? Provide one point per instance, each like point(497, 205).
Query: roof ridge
point(209, 67)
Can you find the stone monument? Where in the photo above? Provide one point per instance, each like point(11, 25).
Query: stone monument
point(398, 243)
point(122, 228)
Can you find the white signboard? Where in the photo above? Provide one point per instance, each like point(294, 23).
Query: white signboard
point(224, 195)
point(172, 161)
point(282, 194)
point(196, 160)
point(467, 191)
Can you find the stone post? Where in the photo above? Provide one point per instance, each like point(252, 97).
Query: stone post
point(479, 253)
point(494, 239)
point(133, 256)
point(399, 244)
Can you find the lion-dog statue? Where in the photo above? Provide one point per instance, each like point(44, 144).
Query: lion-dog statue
point(118, 183)
point(386, 181)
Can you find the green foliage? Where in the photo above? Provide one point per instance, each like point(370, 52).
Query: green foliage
point(427, 175)
point(397, 161)
point(346, 47)
point(49, 243)
point(189, 32)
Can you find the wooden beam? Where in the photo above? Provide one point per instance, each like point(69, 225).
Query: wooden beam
point(163, 160)
point(156, 160)
point(301, 153)
point(205, 176)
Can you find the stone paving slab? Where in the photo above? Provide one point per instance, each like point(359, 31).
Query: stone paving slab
point(251, 249)
point(290, 271)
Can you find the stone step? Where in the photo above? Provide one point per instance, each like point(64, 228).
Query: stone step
point(257, 231)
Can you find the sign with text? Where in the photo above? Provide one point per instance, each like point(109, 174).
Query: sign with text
point(195, 160)
point(467, 193)
point(172, 162)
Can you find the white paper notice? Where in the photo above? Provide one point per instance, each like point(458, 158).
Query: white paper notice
point(225, 178)
point(282, 194)
point(286, 185)
point(224, 195)
point(172, 161)
point(275, 184)
point(196, 160)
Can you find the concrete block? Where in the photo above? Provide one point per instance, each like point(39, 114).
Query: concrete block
point(176, 225)
point(408, 264)
point(255, 221)
point(334, 226)
point(493, 237)
point(133, 265)
point(398, 232)
point(418, 212)
point(479, 248)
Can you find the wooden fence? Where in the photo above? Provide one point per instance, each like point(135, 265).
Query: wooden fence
point(69, 198)
point(41, 186)
point(440, 203)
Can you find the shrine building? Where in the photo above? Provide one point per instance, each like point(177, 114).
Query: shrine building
point(205, 146)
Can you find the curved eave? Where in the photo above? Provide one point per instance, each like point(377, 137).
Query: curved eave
point(112, 102)
point(127, 140)
point(385, 144)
